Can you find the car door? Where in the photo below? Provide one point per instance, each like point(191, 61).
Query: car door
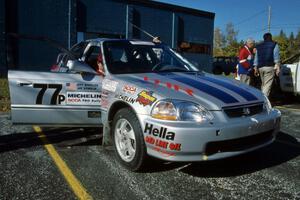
point(55, 98)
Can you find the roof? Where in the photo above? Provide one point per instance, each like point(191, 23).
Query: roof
point(170, 7)
point(116, 39)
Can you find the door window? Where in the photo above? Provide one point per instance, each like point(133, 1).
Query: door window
point(92, 55)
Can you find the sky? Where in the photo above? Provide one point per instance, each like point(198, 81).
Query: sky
point(250, 18)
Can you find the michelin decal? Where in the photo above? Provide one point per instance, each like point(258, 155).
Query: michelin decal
point(83, 98)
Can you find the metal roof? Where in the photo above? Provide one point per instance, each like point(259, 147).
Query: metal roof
point(170, 7)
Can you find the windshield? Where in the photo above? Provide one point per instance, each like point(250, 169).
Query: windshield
point(123, 57)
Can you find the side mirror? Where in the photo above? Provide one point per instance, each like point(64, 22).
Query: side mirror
point(79, 66)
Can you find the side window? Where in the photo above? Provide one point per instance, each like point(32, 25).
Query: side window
point(78, 49)
point(91, 56)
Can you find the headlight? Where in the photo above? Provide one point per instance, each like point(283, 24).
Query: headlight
point(164, 110)
point(180, 111)
point(267, 104)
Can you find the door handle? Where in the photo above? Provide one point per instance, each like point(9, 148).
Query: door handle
point(25, 84)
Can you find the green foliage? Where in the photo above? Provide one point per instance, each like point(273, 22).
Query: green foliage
point(219, 42)
point(289, 46)
point(4, 95)
point(283, 43)
point(226, 44)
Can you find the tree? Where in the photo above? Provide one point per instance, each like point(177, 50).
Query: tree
point(231, 34)
point(292, 37)
point(232, 45)
point(297, 41)
point(283, 43)
point(291, 45)
point(219, 42)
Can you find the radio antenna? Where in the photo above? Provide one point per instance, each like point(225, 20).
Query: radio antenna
point(135, 26)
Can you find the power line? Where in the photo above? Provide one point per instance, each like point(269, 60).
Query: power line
point(286, 24)
point(250, 17)
point(247, 34)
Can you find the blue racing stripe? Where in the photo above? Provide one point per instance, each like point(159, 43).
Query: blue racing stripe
point(247, 95)
point(212, 91)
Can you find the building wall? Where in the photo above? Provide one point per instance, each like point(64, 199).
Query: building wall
point(103, 16)
point(2, 38)
point(198, 30)
point(156, 23)
point(64, 20)
point(41, 18)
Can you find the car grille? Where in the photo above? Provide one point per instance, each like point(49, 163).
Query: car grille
point(238, 144)
point(248, 110)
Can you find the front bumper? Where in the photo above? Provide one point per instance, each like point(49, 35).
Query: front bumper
point(186, 141)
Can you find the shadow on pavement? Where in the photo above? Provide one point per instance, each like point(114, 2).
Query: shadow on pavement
point(63, 137)
point(284, 148)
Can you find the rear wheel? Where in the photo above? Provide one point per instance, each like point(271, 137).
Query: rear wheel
point(217, 70)
point(128, 140)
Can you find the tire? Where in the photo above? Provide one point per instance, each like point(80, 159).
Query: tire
point(128, 140)
point(217, 70)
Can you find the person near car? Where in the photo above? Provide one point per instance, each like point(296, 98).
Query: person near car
point(245, 65)
point(267, 62)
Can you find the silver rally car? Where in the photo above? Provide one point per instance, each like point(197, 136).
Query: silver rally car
point(151, 102)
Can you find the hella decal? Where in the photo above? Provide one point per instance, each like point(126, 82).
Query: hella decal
point(161, 132)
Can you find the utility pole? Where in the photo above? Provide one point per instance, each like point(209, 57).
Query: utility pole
point(269, 20)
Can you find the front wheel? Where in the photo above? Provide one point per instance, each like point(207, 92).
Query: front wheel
point(128, 140)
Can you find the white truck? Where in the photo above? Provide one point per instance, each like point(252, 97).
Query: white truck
point(290, 77)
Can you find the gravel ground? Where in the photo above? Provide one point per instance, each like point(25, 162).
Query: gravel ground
point(27, 171)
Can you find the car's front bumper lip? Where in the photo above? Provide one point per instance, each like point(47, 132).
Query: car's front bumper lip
point(191, 141)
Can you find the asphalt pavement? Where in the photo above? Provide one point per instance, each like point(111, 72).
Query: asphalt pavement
point(28, 169)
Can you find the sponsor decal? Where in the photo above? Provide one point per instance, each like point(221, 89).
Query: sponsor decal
point(71, 86)
point(161, 138)
point(87, 86)
point(83, 98)
point(163, 152)
point(104, 99)
point(104, 103)
point(163, 144)
point(170, 85)
point(129, 89)
point(161, 132)
point(126, 98)
point(109, 85)
point(82, 86)
point(146, 98)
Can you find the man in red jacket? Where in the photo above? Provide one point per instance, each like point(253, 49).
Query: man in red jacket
point(246, 61)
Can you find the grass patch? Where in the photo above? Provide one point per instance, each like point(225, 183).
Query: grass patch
point(4, 95)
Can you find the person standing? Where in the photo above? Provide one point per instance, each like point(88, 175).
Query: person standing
point(245, 65)
point(267, 62)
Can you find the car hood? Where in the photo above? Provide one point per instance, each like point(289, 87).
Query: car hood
point(212, 92)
